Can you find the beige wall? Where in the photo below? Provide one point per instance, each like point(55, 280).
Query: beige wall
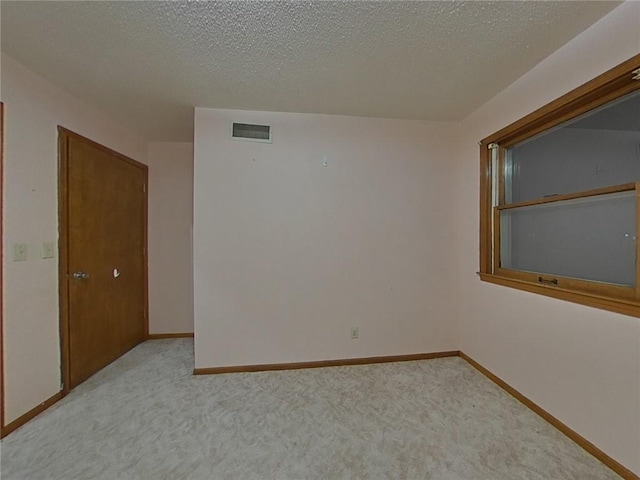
point(579, 363)
point(33, 110)
point(289, 254)
point(170, 222)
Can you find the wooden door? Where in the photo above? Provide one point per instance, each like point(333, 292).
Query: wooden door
point(103, 228)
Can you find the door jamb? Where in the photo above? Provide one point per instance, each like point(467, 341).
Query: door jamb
point(2, 376)
point(63, 243)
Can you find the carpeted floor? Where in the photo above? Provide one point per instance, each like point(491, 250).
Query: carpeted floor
point(146, 417)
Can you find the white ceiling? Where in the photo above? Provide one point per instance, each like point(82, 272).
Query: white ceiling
point(147, 64)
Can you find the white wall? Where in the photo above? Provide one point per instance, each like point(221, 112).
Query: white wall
point(33, 110)
point(289, 254)
point(579, 363)
point(170, 223)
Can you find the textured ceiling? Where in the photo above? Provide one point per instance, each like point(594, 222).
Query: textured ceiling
point(147, 64)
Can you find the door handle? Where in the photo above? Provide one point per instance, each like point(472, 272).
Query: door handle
point(80, 275)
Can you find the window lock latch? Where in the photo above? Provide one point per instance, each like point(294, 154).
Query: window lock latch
point(548, 281)
point(636, 74)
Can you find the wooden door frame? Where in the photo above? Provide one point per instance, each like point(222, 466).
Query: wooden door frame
point(63, 243)
point(2, 432)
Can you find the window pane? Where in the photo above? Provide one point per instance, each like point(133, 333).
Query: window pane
point(590, 238)
point(598, 149)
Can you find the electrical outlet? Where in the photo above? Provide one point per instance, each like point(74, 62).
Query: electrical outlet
point(48, 251)
point(354, 333)
point(19, 252)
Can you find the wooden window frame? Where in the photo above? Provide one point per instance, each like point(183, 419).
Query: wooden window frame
point(617, 82)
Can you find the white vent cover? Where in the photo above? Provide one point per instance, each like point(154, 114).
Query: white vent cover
point(251, 132)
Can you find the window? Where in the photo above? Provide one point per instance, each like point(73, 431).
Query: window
point(560, 196)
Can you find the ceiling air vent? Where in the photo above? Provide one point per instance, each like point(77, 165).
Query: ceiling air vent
point(250, 132)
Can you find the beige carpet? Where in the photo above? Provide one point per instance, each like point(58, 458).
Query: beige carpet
point(147, 417)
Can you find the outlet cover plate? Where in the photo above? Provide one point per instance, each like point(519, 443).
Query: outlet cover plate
point(354, 333)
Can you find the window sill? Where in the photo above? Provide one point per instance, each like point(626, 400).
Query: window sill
point(623, 306)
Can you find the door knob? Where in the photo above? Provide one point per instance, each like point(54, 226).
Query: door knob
point(80, 275)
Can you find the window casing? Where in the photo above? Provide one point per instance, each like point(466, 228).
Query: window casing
point(560, 209)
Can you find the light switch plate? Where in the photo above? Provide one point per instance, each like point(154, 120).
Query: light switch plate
point(48, 250)
point(20, 252)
